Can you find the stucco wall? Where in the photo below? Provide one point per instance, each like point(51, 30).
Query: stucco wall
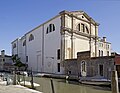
point(52, 42)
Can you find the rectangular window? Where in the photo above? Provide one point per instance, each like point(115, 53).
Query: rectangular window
point(107, 53)
point(79, 27)
point(50, 28)
point(58, 54)
point(58, 67)
point(108, 47)
point(99, 53)
point(26, 58)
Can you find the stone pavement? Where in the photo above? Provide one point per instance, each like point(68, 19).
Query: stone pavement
point(4, 88)
point(16, 89)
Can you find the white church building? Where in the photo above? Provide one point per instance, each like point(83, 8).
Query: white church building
point(45, 47)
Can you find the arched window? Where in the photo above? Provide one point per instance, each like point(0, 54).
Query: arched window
point(31, 37)
point(83, 68)
point(50, 28)
point(14, 45)
point(24, 43)
point(83, 63)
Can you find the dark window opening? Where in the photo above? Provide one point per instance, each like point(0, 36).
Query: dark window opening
point(79, 27)
point(3, 60)
point(82, 28)
point(26, 58)
point(24, 43)
point(99, 53)
point(101, 70)
point(47, 30)
point(50, 28)
point(31, 37)
point(58, 54)
point(58, 67)
point(14, 45)
point(107, 53)
point(53, 27)
point(87, 29)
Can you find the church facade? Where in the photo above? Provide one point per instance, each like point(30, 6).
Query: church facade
point(46, 47)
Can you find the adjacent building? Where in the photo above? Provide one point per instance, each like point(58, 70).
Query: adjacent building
point(46, 47)
point(87, 66)
point(5, 61)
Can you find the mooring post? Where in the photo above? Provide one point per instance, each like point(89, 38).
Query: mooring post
point(24, 78)
point(32, 83)
point(14, 77)
point(53, 91)
point(114, 82)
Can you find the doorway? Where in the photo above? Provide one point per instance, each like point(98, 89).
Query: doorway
point(39, 63)
point(101, 70)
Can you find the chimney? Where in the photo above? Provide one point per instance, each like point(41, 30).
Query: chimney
point(104, 39)
point(3, 53)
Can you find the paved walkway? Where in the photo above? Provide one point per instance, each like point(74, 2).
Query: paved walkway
point(16, 89)
point(4, 88)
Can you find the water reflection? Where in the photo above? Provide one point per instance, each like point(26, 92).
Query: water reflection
point(62, 86)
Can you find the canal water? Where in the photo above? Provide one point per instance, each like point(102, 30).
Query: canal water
point(63, 86)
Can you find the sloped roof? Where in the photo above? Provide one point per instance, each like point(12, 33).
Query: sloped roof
point(75, 13)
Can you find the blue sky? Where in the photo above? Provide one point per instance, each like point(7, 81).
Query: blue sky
point(20, 16)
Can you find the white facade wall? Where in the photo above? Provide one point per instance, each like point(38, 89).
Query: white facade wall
point(81, 44)
point(68, 21)
point(105, 47)
point(23, 50)
point(52, 42)
point(34, 49)
point(42, 51)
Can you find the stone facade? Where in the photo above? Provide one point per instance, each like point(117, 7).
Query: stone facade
point(84, 65)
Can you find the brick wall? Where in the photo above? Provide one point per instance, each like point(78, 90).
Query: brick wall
point(73, 66)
